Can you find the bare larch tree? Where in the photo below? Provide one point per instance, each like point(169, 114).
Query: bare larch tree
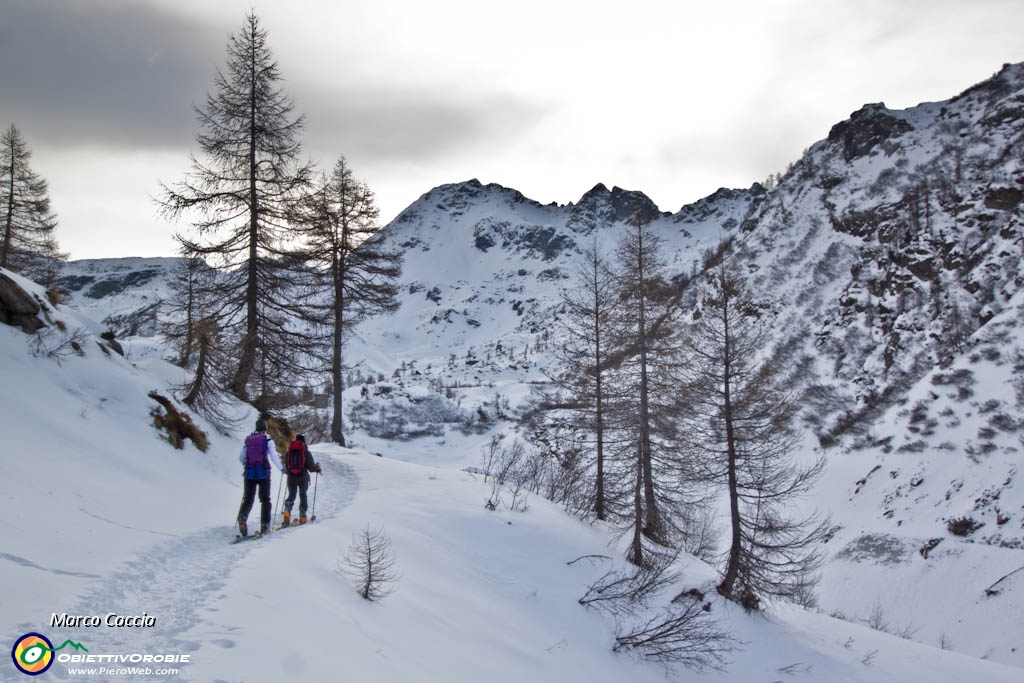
point(349, 262)
point(242, 190)
point(738, 419)
point(583, 356)
point(647, 351)
point(27, 241)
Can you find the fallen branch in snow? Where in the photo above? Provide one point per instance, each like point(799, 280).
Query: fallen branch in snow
point(680, 634)
point(588, 557)
point(795, 668)
point(621, 592)
point(990, 591)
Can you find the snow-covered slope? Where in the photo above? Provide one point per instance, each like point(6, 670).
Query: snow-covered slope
point(122, 295)
point(111, 519)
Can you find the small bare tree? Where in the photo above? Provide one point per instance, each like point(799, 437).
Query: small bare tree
point(370, 563)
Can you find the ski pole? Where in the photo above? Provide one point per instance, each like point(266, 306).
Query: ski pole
point(277, 505)
point(312, 517)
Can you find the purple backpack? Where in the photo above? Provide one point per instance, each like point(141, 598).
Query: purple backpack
point(256, 464)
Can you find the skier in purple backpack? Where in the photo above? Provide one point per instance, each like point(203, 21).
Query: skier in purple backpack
point(258, 454)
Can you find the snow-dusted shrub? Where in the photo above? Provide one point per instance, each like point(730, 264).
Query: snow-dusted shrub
point(963, 526)
point(551, 274)
point(57, 344)
point(989, 406)
point(560, 468)
point(508, 470)
point(986, 433)
point(918, 446)
point(1004, 422)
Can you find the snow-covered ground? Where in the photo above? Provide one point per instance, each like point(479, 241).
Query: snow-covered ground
point(110, 519)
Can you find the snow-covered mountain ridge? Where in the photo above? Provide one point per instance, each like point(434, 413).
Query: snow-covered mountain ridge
point(891, 255)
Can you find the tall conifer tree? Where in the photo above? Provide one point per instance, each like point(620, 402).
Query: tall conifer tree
point(738, 415)
point(648, 352)
point(583, 357)
point(27, 224)
point(241, 190)
point(349, 263)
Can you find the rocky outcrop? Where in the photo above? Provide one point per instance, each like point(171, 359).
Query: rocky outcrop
point(17, 307)
point(866, 129)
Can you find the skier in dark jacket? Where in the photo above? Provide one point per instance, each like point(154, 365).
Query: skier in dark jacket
point(298, 464)
point(258, 454)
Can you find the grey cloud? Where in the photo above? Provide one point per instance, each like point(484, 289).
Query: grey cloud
point(127, 75)
point(104, 72)
point(412, 125)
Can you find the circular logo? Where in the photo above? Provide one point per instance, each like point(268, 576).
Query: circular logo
point(32, 654)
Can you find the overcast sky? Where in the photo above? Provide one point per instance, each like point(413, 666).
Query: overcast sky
point(550, 97)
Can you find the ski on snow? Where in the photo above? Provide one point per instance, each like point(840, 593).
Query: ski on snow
point(251, 537)
point(295, 524)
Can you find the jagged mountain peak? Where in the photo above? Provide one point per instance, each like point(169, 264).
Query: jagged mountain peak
point(601, 206)
point(455, 198)
point(474, 189)
point(599, 190)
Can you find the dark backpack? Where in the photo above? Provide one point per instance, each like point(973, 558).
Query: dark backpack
point(295, 459)
point(256, 464)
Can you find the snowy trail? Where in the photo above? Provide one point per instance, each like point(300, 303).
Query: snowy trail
point(175, 582)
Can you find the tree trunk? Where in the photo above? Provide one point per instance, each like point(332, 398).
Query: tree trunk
point(9, 220)
point(248, 358)
point(337, 435)
point(598, 397)
point(652, 524)
point(200, 378)
point(599, 494)
point(638, 546)
point(733, 567)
